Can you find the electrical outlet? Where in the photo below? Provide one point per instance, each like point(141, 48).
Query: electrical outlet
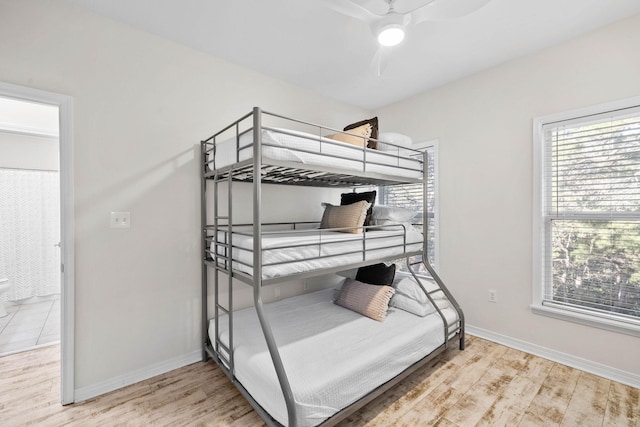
point(492, 295)
point(120, 220)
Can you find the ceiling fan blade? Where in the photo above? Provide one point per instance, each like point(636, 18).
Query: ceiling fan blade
point(443, 10)
point(380, 60)
point(351, 9)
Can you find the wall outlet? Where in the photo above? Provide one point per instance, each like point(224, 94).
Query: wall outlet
point(492, 295)
point(120, 220)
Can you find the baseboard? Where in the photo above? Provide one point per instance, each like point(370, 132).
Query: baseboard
point(604, 371)
point(91, 391)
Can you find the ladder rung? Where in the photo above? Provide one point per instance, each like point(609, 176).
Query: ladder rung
point(224, 360)
point(221, 217)
point(456, 326)
point(223, 309)
point(434, 291)
point(222, 346)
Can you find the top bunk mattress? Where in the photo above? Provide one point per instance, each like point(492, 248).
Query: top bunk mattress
point(312, 150)
point(332, 355)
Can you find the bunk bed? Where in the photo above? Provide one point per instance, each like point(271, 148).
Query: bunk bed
point(306, 360)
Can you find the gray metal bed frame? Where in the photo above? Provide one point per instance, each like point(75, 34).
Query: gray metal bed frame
point(288, 173)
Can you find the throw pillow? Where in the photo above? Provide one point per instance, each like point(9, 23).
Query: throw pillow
point(369, 196)
point(377, 274)
point(352, 215)
point(370, 301)
point(373, 122)
point(357, 136)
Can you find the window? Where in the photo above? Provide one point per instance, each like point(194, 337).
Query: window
point(587, 245)
point(411, 196)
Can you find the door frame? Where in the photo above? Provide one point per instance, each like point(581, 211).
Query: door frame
point(67, 249)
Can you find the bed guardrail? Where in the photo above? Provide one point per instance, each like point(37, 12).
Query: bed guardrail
point(244, 138)
point(393, 240)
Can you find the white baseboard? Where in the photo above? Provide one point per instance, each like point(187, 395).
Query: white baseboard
point(156, 369)
point(604, 371)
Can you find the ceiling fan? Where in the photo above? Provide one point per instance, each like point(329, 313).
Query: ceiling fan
point(390, 27)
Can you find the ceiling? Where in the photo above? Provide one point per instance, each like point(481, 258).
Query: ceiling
point(307, 43)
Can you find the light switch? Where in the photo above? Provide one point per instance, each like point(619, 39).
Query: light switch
point(120, 220)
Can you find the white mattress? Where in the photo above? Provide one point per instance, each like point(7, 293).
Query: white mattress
point(301, 147)
point(332, 355)
point(334, 245)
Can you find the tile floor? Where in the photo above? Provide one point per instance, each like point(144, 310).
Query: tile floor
point(30, 325)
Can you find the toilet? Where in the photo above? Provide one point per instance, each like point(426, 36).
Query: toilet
point(4, 287)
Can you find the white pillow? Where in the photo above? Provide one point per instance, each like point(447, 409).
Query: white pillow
point(392, 213)
point(395, 139)
point(427, 282)
point(410, 297)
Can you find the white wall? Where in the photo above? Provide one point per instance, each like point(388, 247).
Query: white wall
point(141, 105)
point(484, 124)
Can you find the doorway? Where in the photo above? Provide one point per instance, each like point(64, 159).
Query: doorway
point(29, 226)
point(36, 269)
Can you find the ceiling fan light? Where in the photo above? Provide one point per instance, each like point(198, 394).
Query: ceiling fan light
point(390, 35)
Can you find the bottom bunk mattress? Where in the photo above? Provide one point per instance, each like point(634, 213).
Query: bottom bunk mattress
point(332, 355)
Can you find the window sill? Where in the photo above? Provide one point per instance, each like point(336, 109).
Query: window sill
point(584, 318)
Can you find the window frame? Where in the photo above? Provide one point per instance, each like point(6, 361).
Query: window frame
point(541, 255)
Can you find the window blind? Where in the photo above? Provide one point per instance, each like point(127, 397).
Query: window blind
point(411, 196)
point(592, 214)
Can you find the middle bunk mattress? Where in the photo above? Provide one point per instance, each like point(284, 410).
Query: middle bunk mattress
point(285, 253)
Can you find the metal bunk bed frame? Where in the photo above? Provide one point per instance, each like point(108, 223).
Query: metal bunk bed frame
point(246, 171)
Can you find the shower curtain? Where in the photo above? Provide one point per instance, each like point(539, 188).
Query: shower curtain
point(29, 232)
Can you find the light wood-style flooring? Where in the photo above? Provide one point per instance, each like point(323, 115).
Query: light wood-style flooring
point(486, 385)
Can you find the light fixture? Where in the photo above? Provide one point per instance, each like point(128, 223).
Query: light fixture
point(391, 35)
point(390, 29)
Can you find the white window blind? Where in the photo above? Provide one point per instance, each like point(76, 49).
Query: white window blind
point(591, 215)
point(411, 196)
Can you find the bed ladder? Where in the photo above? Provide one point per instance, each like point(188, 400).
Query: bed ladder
point(450, 329)
point(222, 263)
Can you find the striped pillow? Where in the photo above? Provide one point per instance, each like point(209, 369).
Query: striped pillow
point(352, 215)
point(369, 300)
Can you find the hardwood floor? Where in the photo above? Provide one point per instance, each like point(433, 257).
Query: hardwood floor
point(485, 385)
